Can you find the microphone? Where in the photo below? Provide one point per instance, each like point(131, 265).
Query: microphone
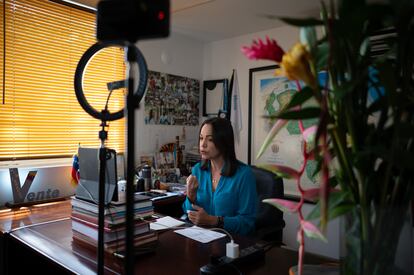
point(116, 85)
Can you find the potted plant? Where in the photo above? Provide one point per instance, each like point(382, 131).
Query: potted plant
point(364, 138)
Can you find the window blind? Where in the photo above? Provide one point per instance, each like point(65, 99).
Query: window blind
point(40, 117)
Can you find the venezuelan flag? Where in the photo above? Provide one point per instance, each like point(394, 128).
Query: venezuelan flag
point(75, 171)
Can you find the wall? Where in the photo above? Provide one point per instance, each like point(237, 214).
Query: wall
point(220, 58)
point(178, 55)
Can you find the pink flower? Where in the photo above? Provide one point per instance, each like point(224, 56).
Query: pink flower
point(260, 50)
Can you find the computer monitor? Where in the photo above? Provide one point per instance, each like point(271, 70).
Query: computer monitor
point(88, 186)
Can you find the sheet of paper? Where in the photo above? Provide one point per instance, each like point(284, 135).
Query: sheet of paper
point(200, 234)
point(165, 223)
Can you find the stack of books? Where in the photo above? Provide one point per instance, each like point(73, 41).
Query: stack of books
point(85, 224)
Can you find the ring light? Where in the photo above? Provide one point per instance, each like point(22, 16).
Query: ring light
point(79, 73)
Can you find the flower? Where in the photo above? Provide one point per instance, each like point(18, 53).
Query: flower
point(363, 141)
point(260, 50)
point(296, 65)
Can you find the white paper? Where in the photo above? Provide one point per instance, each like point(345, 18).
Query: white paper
point(200, 234)
point(165, 223)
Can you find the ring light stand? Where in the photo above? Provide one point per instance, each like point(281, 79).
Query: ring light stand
point(133, 55)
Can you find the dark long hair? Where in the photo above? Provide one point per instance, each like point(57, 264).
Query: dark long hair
point(223, 139)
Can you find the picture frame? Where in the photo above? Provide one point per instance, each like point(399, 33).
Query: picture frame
point(214, 96)
point(267, 94)
point(171, 100)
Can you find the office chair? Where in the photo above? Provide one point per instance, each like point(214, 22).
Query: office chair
point(269, 220)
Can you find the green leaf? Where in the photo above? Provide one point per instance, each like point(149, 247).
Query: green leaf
point(363, 50)
point(283, 205)
point(333, 182)
point(340, 210)
point(312, 231)
point(300, 97)
point(321, 56)
point(305, 113)
point(337, 199)
point(341, 91)
point(281, 170)
point(317, 168)
point(280, 123)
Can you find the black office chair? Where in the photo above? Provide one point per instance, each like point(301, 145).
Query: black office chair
point(269, 220)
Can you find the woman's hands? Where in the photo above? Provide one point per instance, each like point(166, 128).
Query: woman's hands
point(200, 217)
point(192, 185)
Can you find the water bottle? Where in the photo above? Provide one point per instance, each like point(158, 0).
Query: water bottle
point(146, 175)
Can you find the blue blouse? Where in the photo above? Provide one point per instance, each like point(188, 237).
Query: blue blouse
point(235, 198)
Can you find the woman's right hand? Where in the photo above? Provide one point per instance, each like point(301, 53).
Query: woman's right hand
point(192, 185)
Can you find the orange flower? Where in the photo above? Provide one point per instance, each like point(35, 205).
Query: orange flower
point(296, 65)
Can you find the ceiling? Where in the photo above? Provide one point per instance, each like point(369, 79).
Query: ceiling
point(211, 20)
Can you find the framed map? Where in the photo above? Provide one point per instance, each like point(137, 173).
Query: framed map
point(267, 95)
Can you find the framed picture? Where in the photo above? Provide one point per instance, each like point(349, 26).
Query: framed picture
point(267, 95)
point(171, 100)
point(214, 96)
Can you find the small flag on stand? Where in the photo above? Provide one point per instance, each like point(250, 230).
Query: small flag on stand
point(75, 170)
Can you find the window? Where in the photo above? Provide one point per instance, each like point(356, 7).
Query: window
point(40, 117)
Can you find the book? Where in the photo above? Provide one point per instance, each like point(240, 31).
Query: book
point(137, 198)
point(109, 227)
point(109, 235)
point(110, 220)
point(142, 202)
point(117, 245)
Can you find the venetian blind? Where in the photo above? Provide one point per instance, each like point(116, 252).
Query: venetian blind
point(40, 117)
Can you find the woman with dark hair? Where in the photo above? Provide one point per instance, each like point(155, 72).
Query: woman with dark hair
point(221, 191)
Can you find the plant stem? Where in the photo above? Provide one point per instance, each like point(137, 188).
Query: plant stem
point(340, 153)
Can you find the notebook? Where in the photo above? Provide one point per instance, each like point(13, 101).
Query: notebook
point(88, 187)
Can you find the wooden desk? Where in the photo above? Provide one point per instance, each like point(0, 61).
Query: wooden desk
point(171, 206)
point(48, 247)
point(53, 242)
point(13, 219)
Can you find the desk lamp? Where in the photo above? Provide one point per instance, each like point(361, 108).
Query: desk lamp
point(122, 23)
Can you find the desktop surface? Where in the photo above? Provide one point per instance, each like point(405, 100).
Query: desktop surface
point(11, 219)
point(174, 253)
point(49, 245)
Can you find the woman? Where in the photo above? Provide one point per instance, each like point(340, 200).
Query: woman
point(221, 192)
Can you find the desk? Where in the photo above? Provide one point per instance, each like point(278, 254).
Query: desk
point(11, 219)
point(170, 206)
point(49, 247)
